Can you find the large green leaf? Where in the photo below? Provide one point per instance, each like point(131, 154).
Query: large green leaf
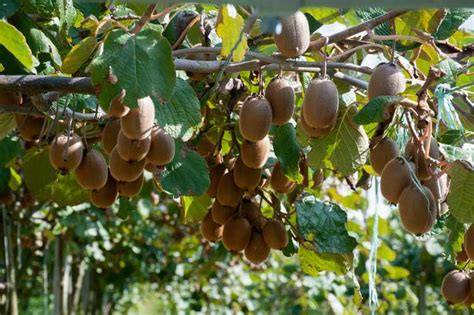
point(287, 150)
point(426, 20)
point(195, 207)
point(454, 18)
point(181, 116)
point(374, 110)
point(312, 262)
point(345, 147)
point(9, 149)
point(229, 28)
point(78, 55)
point(452, 153)
point(324, 223)
point(8, 8)
point(65, 191)
point(5, 176)
point(461, 197)
point(323, 15)
point(141, 64)
point(7, 124)
point(14, 41)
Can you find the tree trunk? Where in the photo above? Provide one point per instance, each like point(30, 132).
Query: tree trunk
point(57, 287)
point(12, 306)
point(79, 283)
point(45, 280)
point(66, 283)
point(86, 291)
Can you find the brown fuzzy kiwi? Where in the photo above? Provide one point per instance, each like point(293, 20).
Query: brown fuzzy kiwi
point(162, 147)
point(117, 109)
point(279, 182)
point(462, 255)
point(150, 167)
point(387, 79)
point(321, 103)
point(66, 157)
point(221, 214)
point(455, 287)
point(229, 162)
point(255, 154)
point(246, 178)
point(210, 230)
point(257, 251)
point(255, 119)
point(250, 210)
point(10, 98)
point(215, 174)
point(413, 151)
point(396, 176)
point(469, 242)
point(318, 178)
point(30, 127)
point(132, 150)
point(439, 187)
point(105, 196)
point(471, 282)
point(236, 234)
point(293, 40)
point(130, 189)
point(382, 152)
point(313, 132)
point(7, 198)
point(92, 172)
point(205, 147)
point(418, 211)
point(281, 96)
point(228, 194)
point(274, 234)
point(122, 170)
point(138, 123)
point(110, 134)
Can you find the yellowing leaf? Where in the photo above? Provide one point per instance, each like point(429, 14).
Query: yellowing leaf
point(79, 54)
point(323, 15)
point(229, 28)
point(14, 41)
point(423, 20)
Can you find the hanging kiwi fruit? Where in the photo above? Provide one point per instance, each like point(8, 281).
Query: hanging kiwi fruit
point(293, 35)
point(66, 152)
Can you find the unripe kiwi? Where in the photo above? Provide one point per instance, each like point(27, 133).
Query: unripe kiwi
point(412, 150)
point(418, 211)
point(92, 172)
point(313, 132)
point(321, 103)
point(228, 194)
point(382, 152)
point(236, 234)
point(469, 242)
point(455, 287)
point(110, 134)
point(205, 147)
point(132, 150)
point(246, 178)
point(221, 214)
point(257, 251)
point(250, 210)
point(293, 40)
point(210, 230)
point(138, 123)
point(29, 127)
point(279, 181)
point(396, 176)
point(10, 98)
point(162, 147)
point(117, 109)
point(66, 157)
point(215, 174)
point(105, 196)
point(387, 79)
point(122, 170)
point(318, 178)
point(130, 189)
point(255, 154)
point(274, 234)
point(281, 96)
point(255, 119)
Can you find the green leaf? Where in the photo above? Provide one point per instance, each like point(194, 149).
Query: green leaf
point(142, 64)
point(451, 68)
point(452, 153)
point(44, 8)
point(460, 197)
point(323, 15)
point(345, 147)
point(453, 19)
point(452, 136)
point(5, 175)
point(187, 174)
point(9, 149)
point(374, 110)
point(8, 8)
point(455, 239)
point(7, 124)
point(324, 223)
point(396, 272)
point(181, 116)
point(38, 173)
point(67, 15)
point(312, 262)
point(229, 28)
point(40, 43)
point(15, 180)
point(195, 208)
point(78, 55)
point(14, 41)
point(65, 191)
point(287, 150)
point(426, 20)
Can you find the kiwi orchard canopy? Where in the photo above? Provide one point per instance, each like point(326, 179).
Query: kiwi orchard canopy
point(172, 149)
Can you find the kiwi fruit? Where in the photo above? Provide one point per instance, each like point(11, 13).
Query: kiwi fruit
point(92, 173)
point(439, 187)
point(274, 234)
point(150, 167)
point(29, 127)
point(257, 251)
point(313, 132)
point(396, 176)
point(281, 96)
point(210, 230)
point(382, 152)
point(28, 200)
point(122, 170)
point(130, 189)
point(246, 178)
point(132, 150)
point(418, 211)
point(462, 255)
point(228, 194)
point(255, 119)
point(279, 182)
point(387, 79)
point(294, 38)
point(138, 123)
point(250, 210)
point(321, 103)
point(110, 134)
point(105, 196)
point(10, 98)
point(7, 198)
point(455, 287)
point(469, 242)
point(412, 151)
point(255, 154)
point(221, 214)
point(215, 174)
point(66, 157)
point(162, 147)
point(205, 148)
point(117, 109)
point(236, 234)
